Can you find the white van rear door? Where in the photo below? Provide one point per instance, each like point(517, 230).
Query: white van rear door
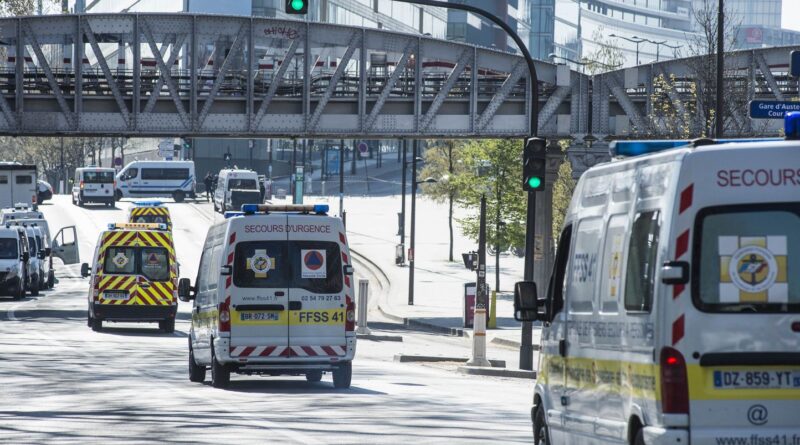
point(23, 186)
point(260, 297)
point(317, 300)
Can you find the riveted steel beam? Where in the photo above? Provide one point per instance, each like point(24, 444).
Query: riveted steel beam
point(553, 102)
point(51, 79)
point(500, 96)
point(237, 42)
point(112, 82)
point(463, 60)
point(276, 82)
point(767, 73)
point(165, 74)
point(625, 102)
point(390, 84)
point(173, 55)
point(355, 41)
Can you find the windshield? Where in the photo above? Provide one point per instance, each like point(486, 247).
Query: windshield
point(242, 184)
point(8, 249)
point(91, 177)
point(152, 262)
point(745, 259)
point(150, 219)
point(32, 244)
point(39, 242)
point(311, 265)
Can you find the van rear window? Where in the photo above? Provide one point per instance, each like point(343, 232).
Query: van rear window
point(748, 259)
point(242, 184)
point(152, 262)
point(311, 265)
point(90, 177)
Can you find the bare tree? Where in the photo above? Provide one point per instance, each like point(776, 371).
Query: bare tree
point(608, 53)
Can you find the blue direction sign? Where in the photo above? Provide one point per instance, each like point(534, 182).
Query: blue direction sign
point(795, 64)
point(770, 109)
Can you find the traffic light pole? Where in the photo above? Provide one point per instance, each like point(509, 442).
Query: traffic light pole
point(526, 349)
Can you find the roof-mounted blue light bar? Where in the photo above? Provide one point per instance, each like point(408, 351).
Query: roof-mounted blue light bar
point(638, 148)
point(791, 125)
point(249, 209)
point(229, 215)
point(321, 209)
point(148, 203)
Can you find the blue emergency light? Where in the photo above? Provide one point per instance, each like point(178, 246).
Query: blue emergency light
point(229, 215)
point(791, 125)
point(321, 209)
point(148, 203)
point(638, 148)
point(249, 209)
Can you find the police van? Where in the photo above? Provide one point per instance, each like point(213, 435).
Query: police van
point(274, 295)
point(134, 276)
point(235, 188)
point(152, 212)
point(37, 269)
point(673, 312)
point(143, 179)
point(20, 211)
point(14, 257)
point(94, 185)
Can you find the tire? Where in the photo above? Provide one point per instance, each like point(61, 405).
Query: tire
point(97, 325)
point(197, 373)
point(88, 319)
point(118, 195)
point(51, 279)
point(541, 435)
point(639, 439)
point(179, 196)
point(314, 376)
point(220, 375)
point(168, 325)
point(34, 287)
point(19, 293)
point(343, 375)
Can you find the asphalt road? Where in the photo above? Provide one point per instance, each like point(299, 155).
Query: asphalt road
point(63, 383)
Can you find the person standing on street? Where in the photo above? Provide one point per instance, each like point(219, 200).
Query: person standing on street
point(208, 180)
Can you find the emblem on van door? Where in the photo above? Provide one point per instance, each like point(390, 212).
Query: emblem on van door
point(757, 415)
point(260, 263)
point(753, 265)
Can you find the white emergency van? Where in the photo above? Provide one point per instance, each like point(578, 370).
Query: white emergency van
point(235, 188)
point(274, 295)
point(36, 280)
point(141, 179)
point(18, 212)
point(94, 185)
point(14, 256)
point(17, 184)
point(672, 315)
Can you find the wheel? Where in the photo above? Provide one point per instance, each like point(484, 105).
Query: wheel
point(197, 373)
point(343, 375)
point(97, 324)
point(34, 286)
point(118, 195)
point(314, 376)
point(179, 196)
point(639, 440)
point(51, 280)
point(220, 375)
point(88, 319)
point(540, 434)
point(19, 293)
point(167, 325)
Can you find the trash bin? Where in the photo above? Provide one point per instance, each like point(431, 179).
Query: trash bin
point(470, 294)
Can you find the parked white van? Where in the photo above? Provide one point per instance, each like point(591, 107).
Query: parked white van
point(235, 188)
point(141, 179)
point(14, 257)
point(17, 184)
point(94, 184)
point(274, 295)
point(673, 312)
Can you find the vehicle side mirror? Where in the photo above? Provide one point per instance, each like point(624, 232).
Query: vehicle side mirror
point(185, 290)
point(225, 270)
point(48, 251)
point(675, 272)
point(526, 304)
point(348, 270)
point(42, 254)
point(26, 256)
point(85, 270)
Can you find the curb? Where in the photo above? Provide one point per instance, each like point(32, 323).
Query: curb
point(495, 372)
point(513, 344)
point(404, 358)
point(374, 337)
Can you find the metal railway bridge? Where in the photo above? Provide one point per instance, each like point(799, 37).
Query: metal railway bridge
point(206, 75)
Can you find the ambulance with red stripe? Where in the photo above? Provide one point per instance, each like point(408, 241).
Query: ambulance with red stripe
point(273, 295)
point(672, 315)
point(134, 276)
point(149, 212)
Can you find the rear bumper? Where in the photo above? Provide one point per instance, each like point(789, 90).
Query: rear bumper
point(282, 364)
point(665, 436)
point(97, 198)
point(134, 313)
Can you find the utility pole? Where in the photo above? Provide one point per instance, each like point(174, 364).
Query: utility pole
point(720, 69)
point(411, 253)
point(341, 177)
point(402, 223)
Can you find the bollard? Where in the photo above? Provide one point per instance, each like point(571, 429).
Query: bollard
point(363, 300)
point(479, 339)
point(493, 312)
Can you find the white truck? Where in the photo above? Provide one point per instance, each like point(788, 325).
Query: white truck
point(17, 184)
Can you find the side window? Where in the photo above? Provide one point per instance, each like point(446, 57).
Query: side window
point(132, 173)
point(641, 268)
point(3, 179)
point(583, 270)
point(613, 261)
point(557, 284)
point(202, 278)
point(213, 277)
point(24, 179)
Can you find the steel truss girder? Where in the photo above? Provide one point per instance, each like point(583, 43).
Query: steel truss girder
point(438, 100)
point(173, 55)
point(511, 81)
point(165, 74)
point(234, 50)
point(86, 29)
point(51, 79)
point(553, 102)
point(390, 83)
point(625, 101)
point(276, 82)
point(767, 73)
point(352, 46)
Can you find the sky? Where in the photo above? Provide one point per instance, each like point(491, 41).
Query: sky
point(791, 14)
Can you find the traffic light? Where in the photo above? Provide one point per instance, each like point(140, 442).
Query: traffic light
point(297, 6)
point(534, 164)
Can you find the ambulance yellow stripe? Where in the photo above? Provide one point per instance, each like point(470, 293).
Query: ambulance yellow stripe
point(146, 239)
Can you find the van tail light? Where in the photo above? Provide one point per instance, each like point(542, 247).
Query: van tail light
point(350, 320)
point(674, 383)
point(33, 199)
point(225, 315)
point(82, 185)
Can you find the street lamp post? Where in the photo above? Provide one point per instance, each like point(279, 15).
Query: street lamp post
point(411, 253)
point(634, 39)
point(402, 222)
point(720, 67)
point(585, 63)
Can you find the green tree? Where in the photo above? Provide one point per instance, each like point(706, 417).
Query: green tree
point(562, 193)
point(443, 162)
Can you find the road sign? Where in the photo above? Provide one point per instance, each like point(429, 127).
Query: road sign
point(166, 148)
point(770, 109)
point(363, 149)
point(795, 64)
point(118, 161)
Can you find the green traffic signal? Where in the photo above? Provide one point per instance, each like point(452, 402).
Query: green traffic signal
point(534, 182)
point(298, 5)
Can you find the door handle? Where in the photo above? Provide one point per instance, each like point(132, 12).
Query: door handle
point(280, 293)
point(295, 305)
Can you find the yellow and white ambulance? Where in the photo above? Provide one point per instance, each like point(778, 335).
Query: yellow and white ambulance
point(274, 295)
point(673, 312)
point(149, 212)
point(134, 276)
